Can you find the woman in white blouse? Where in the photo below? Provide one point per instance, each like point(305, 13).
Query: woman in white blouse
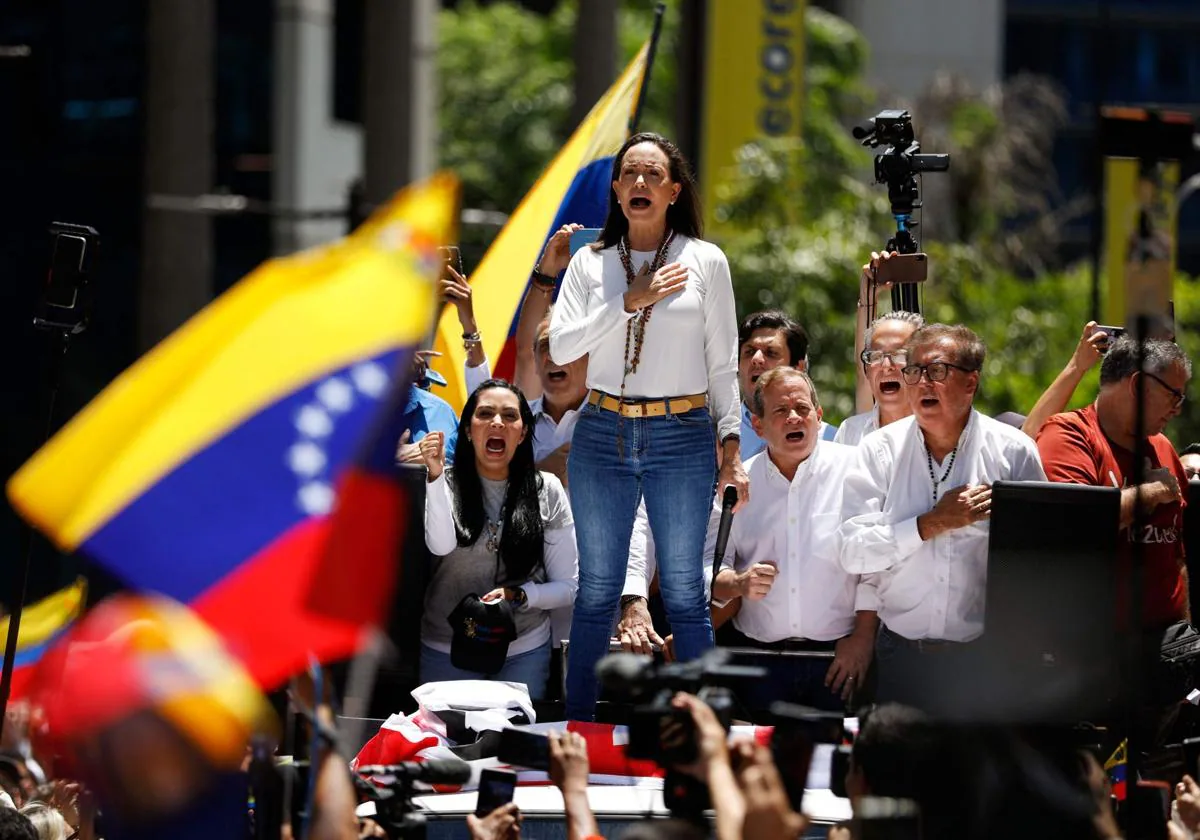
point(652, 304)
point(499, 529)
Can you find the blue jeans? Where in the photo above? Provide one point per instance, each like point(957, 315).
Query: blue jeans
point(532, 669)
point(670, 461)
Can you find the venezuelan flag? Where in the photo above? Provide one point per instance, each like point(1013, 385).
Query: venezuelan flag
point(1116, 767)
point(42, 625)
point(574, 188)
point(206, 472)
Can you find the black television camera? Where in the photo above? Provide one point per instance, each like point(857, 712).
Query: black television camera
point(898, 166)
point(392, 790)
point(658, 730)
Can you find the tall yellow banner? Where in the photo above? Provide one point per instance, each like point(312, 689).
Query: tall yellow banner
point(753, 87)
point(1139, 238)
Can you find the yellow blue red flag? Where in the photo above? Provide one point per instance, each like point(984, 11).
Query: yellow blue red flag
point(42, 624)
point(574, 188)
point(207, 470)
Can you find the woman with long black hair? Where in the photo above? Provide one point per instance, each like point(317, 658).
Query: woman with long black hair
point(646, 430)
point(501, 532)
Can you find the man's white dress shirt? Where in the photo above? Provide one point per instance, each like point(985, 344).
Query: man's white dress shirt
point(857, 427)
point(927, 589)
point(792, 525)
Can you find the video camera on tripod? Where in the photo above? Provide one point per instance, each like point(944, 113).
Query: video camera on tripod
point(898, 166)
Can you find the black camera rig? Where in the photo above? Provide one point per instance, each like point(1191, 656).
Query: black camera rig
point(898, 166)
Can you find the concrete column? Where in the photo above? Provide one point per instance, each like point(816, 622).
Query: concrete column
point(180, 104)
point(595, 53)
point(315, 158)
point(400, 95)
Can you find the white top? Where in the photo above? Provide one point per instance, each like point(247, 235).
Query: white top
point(854, 429)
point(690, 344)
point(930, 589)
point(560, 557)
point(547, 434)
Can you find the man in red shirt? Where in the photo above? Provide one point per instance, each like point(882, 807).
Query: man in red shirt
point(1094, 446)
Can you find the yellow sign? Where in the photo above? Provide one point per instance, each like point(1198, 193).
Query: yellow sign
point(753, 87)
point(1139, 239)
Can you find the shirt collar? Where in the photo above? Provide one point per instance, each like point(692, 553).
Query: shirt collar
point(805, 467)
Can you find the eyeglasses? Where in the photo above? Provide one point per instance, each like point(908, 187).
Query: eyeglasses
point(1192, 472)
point(1179, 396)
point(934, 372)
point(871, 358)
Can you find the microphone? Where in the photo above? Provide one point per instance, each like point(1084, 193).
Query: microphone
point(435, 771)
point(728, 500)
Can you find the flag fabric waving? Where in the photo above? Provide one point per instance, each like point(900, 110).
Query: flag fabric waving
point(574, 188)
point(42, 625)
point(206, 471)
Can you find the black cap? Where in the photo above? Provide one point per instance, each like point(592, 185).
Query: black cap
point(482, 633)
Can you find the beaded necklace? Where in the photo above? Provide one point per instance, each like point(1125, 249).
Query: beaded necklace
point(933, 477)
point(635, 327)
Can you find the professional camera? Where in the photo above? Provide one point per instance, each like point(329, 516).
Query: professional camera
point(657, 730)
point(897, 166)
point(391, 789)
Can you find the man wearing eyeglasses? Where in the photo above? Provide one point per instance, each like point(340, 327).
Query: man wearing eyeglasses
point(915, 514)
point(1095, 446)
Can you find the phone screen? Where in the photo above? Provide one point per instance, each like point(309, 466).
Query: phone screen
point(495, 789)
point(582, 238)
point(524, 749)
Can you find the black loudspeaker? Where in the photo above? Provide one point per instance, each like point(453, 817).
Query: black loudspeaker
point(1051, 652)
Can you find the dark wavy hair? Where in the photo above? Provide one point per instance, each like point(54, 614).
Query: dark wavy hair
point(683, 216)
point(522, 545)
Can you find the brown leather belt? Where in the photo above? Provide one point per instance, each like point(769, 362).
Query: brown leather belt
point(647, 408)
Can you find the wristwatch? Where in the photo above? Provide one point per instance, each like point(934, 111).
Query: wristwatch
point(545, 282)
point(519, 597)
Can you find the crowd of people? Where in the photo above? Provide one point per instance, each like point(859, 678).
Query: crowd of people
point(866, 542)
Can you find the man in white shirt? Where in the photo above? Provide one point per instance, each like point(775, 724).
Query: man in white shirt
point(915, 515)
point(781, 561)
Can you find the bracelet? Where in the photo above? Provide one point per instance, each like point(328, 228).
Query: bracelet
point(542, 280)
point(471, 336)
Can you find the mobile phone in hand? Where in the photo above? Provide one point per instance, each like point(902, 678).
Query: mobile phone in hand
point(450, 257)
point(582, 237)
point(495, 789)
point(524, 749)
point(903, 268)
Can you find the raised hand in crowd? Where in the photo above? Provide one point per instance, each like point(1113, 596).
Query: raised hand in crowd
point(636, 628)
point(408, 453)
point(712, 765)
point(432, 448)
point(504, 823)
point(77, 806)
point(959, 507)
point(648, 289)
point(557, 253)
point(1187, 804)
point(768, 811)
point(454, 289)
point(868, 298)
point(852, 657)
point(556, 462)
point(1092, 344)
point(569, 772)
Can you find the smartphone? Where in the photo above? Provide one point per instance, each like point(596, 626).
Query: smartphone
point(524, 749)
point(65, 299)
point(495, 789)
point(903, 268)
point(450, 256)
point(582, 238)
point(798, 729)
point(1113, 334)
